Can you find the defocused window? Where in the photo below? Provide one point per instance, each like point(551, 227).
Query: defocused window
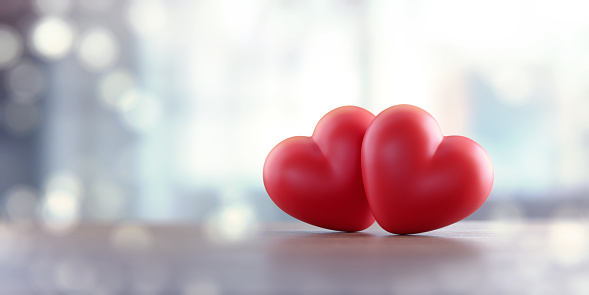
point(165, 110)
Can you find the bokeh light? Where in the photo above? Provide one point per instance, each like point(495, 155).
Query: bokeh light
point(60, 207)
point(11, 48)
point(569, 242)
point(141, 111)
point(98, 49)
point(64, 181)
point(52, 38)
point(231, 223)
point(106, 201)
point(147, 17)
point(60, 211)
point(114, 85)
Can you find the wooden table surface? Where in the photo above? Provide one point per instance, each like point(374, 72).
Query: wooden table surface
point(294, 258)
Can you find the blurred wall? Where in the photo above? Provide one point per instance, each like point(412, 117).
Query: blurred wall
point(165, 110)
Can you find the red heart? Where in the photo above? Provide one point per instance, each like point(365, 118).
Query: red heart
point(415, 178)
point(318, 179)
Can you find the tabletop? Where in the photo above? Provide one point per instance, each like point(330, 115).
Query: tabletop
point(294, 258)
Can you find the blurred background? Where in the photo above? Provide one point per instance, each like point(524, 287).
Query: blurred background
point(164, 111)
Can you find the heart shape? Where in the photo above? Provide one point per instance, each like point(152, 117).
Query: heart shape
point(318, 179)
point(416, 179)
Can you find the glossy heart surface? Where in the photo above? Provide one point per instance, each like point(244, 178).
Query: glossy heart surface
point(418, 180)
point(318, 179)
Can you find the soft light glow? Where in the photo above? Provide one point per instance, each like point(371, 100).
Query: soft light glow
point(513, 83)
point(52, 38)
point(329, 75)
point(492, 28)
point(60, 209)
point(129, 100)
point(98, 49)
point(231, 223)
point(568, 242)
point(107, 200)
point(64, 181)
point(210, 163)
point(60, 205)
point(147, 17)
point(11, 48)
point(114, 85)
point(141, 111)
point(236, 19)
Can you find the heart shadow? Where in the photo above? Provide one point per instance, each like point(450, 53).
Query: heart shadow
point(312, 261)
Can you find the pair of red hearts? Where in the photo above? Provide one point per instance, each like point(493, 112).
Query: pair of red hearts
point(396, 168)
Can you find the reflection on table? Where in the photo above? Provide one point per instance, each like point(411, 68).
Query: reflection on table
point(294, 258)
